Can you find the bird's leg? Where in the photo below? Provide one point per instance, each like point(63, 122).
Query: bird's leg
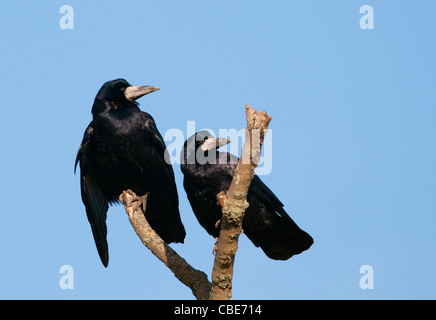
point(215, 246)
point(130, 199)
point(142, 200)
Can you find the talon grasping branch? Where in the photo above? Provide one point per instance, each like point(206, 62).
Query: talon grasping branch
point(136, 208)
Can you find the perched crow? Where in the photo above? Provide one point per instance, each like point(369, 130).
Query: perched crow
point(122, 149)
point(207, 172)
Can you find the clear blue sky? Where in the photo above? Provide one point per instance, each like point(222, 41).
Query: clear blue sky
point(354, 128)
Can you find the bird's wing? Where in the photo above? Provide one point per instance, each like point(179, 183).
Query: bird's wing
point(152, 132)
point(257, 187)
point(84, 146)
point(96, 210)
point(163, 203)
point(96, 204)
point(279, 238)
point(262, 191)
point(266, 196)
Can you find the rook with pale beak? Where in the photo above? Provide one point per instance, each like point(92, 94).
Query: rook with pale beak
point(265, 223)
point(122, 149)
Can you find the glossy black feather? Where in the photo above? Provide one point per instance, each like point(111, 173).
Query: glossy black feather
point(123, 149)
point(265, 223)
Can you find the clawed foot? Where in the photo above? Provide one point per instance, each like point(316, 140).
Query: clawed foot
point(132, 202)
point(141, 201)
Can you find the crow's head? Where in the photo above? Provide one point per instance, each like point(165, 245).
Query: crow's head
point(197, 147)
point(120, 93)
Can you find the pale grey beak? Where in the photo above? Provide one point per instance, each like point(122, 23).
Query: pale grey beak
point(135, 92)
point(214, 143)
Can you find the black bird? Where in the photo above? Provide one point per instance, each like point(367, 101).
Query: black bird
point(207, 172)
point(122, 149)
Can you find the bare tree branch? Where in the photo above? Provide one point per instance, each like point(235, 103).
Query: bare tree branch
point(234, 203)
point(195, 279)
